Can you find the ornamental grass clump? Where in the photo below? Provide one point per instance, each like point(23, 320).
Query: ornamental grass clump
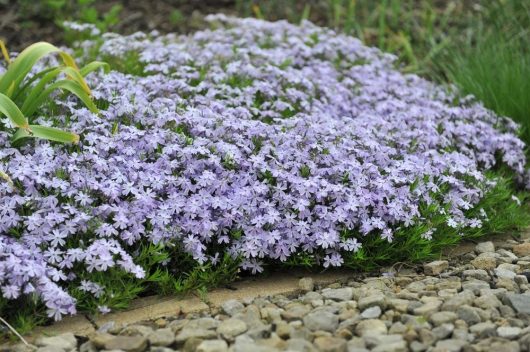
point(22, 93)
point(250, 144)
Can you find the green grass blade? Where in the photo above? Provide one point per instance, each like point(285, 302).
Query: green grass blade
point(11, 110)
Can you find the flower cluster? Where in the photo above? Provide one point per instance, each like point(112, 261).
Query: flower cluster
point(264, 139)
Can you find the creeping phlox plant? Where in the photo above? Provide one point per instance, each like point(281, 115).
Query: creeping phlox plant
point(267, 142)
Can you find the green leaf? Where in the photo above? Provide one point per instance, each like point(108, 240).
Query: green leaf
point(22, 65)
point(44, 132)
point(11, 110)
point(68, 85)
point(94, 65)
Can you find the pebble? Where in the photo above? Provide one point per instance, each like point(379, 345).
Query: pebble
point(484, 262)
point(232, 307)
point(65, 341)
point(371, 313)
point(321, 320)
point(519, 302)
point(231, 328)
point(522, 250)
point(371, 327)
point(127, 343)
point(508, 332)
point(306, 284)
point(338, 294)
point(161, 337)
point(436, 267)
point(485, 247)
point(330, 344)
point(213, 346)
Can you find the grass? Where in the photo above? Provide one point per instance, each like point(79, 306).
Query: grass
point(493, 62)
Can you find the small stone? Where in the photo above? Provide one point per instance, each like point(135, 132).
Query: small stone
point(295, 312)
point(306, 284)
point(371, 313)
point(475, 286)
point(505, 274)
point(136, 330)
point(436, 267)
point(440, 318)
point(484, 262)
point(330, 344)
point(463, 298)
point(478, 274)
point(375, 340)
point(50, 349)
point(508, 332)
point(522, 250)
point(321, 320)
point(232, 307)
point(487, 301)
point(127, 343)
point(66, 341)
point(231, 328)
point(511, 267)
point(443, 331)
point(191, 344)
point(485, 247)
point(451, 345)
point(187, 333)
point(428, 308)
point(338, 294)
point(483, 330)
point(213, 346)
point(300, 345)
point(468, 314)
point(100, 339)
point(202, 323)
point(161, 323)
point(519, 302)
point(371, 326)
point(161, 337)
point(416, 346)
point(88, 346)
point(401, 305)
point(372, 301)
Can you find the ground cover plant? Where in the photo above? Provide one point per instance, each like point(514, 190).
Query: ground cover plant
point(250, 144)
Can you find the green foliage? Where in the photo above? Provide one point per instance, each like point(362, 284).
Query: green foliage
point(20, 96)
point(493, 64)
point(58, 11)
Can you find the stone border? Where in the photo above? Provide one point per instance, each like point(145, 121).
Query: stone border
point(154, 307)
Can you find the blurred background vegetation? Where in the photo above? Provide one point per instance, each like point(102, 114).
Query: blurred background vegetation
point(481, 46)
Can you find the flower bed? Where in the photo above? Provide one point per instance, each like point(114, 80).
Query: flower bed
point(252, 143)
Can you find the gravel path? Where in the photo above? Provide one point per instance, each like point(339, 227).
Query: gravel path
point(477, 302)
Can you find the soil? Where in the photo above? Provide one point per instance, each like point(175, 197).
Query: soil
point(23, 22)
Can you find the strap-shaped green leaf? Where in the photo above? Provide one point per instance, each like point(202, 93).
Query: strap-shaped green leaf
point(44, 132)
point(20, 67)
point(93, 66)
point(11, 110)
point(53, 134)
point(35, 91)
point(68, 85)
